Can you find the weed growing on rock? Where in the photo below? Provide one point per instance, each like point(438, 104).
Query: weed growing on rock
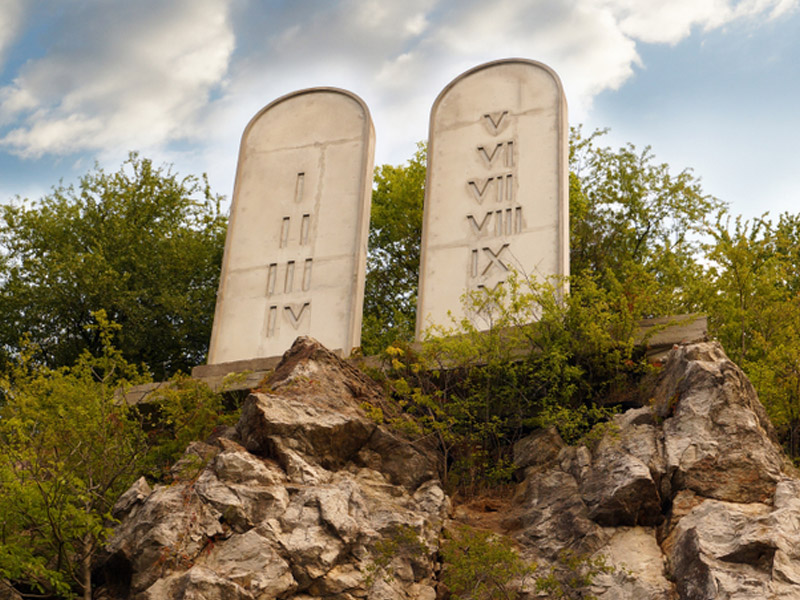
point(481, 565)
point(572, 576)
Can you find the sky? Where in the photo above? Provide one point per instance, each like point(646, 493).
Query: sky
point(711, 85)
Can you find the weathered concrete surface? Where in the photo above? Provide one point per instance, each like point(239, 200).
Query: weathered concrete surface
point(656, 336)
point(496, 193)
point(295, 254)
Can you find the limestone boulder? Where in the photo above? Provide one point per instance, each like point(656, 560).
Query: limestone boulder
point(735, 550)
point(309, 500)
point(539, 448)
point(638, 569)
point(550, 516)
point(718, 441)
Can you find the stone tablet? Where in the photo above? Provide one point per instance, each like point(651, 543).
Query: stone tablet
point(295, 254)
point(496, 197)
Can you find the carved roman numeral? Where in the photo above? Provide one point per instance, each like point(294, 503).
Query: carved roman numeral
point(503, 186)
point(272, 276)
point(478, 187)
point(492, 121)
point(299, 187)
point(286, 228)
point(478, 229)
point(307, 275)
point(285, 232)
point(507, 221)
point(294, 313)
point(305, 224)
point(272, 320)
point(288, 277)
point(288, 281)
point(505, 149)
point(494, 259)
point(491, 290)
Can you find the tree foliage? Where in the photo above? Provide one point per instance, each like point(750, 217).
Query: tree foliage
point(69, 447)
point(390, 299)
point(636, 225)
point(635, 228)
point(142, 244)
point(481, 565)
point(544, 360)
point(753, 301)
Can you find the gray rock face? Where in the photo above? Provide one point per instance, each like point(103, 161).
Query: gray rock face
point(298, 506)
point(687, 499)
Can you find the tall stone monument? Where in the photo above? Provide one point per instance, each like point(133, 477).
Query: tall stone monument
point(295, 254)
point(496, 198)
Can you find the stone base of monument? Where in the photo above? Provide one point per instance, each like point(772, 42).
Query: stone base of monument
point(658, 336)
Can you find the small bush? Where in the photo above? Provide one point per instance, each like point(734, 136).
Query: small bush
point(481, 565)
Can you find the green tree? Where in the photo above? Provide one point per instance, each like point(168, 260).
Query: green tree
point(141, 243)
point(636, 225)
point(67, 451)
point(390, 299)
point(69, 448)
point(753, 302)
point(544, 360)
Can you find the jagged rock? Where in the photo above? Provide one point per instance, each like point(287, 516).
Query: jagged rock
point(618, 488)
point(134, 496)
point(718, 441)
point(539, 448)
point(551, 515)
point(639, 568)
point(171, 528)
point(299, 509)
point(734, 550)
point(687, 499)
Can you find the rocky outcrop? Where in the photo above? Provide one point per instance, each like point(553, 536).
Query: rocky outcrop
point(310, 499)
point(687, 498)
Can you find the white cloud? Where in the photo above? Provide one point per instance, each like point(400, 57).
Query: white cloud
point(141, 74)
point(10, 19)
point(656, 21)
point(120, 75)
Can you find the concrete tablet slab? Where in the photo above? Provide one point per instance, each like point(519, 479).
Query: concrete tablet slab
point(295, 254)
point(496, 197)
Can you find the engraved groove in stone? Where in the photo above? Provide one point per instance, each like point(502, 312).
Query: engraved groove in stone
point(493, 121)
point(293, 314)
point(307, 275)
point(288, 282)
point(285, 232)
point(478, 229)
point(504, 148)
point(272, 319)
point(299, 186)
point(272, 276)
point(479, 187)
point(494, 259)
point(305, 225)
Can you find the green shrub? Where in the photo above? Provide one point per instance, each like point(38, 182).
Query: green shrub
point(545, 359)
point(481, 565)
